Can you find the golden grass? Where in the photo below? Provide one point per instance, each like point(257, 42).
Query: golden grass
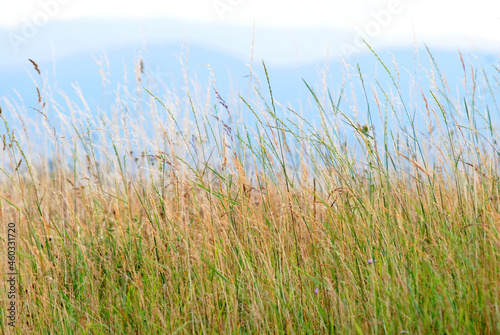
point(209, 231)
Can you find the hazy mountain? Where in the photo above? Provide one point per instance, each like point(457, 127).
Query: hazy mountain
point(78, 46)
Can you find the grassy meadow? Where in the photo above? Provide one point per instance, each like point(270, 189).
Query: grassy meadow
point(186, 211)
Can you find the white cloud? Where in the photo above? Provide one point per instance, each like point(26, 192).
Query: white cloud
point(267, 13)
point(290, 31)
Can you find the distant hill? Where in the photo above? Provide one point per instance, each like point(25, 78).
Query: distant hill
point(77, 45)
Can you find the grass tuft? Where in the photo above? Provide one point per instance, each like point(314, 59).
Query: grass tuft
point(168, 214)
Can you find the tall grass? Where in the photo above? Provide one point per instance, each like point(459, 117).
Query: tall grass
point(169, 214)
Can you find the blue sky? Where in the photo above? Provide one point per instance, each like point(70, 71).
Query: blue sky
point(285, 33)
point(297, 40)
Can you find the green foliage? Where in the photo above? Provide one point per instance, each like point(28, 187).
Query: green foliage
point(152, 223)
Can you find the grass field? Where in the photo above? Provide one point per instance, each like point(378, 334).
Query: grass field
point(175, 214)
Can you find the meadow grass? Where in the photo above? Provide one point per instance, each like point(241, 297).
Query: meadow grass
point(143, 220)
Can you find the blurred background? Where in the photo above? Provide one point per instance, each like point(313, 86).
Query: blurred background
point(75, 41)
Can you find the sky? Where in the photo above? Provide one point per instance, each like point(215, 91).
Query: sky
point(443, 16)
point(293, 37)
point(309, 30)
